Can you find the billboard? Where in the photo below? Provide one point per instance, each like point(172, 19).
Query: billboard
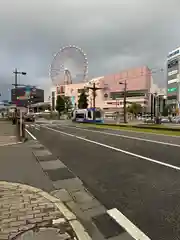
point(26, 95)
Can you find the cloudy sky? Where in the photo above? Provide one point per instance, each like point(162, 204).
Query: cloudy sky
point(115, 34)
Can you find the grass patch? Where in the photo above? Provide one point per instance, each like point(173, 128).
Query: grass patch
point(129, 128)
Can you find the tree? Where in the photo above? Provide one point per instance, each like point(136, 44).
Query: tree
point(60, 105)
point(134, 108)
point(83, 101)
point(68, 104)
point(167, 110)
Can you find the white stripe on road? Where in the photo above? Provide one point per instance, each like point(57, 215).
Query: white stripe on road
point(33, 137)
point(117, 149)
point(135, 232)
point(124, 136)
point(9, 144)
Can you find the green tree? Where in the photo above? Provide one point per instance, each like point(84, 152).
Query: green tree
point(134, 108)
point(167, 110)
point(68, 104)
point(60, 105)
point(83, 101)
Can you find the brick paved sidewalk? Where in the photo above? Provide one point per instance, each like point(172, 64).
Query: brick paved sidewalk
point(25, 209)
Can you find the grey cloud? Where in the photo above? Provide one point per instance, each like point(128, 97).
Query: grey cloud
point(115, 34)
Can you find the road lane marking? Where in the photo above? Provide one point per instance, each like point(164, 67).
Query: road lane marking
point(135, 232)
point(124, 136)
point(117, 149)
point(9, 144)
point(33, 137)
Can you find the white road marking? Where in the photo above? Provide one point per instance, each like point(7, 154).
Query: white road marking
point(117, 149)
point(9, 144)
point(37, 128)
point(125, 136)
point(33, 137)
point(135, 232)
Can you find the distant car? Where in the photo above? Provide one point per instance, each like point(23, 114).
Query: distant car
point(176, 120)
point(165, 120)
point(149, 120)
point(29, 117)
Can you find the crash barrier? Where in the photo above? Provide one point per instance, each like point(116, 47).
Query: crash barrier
point(139, 126)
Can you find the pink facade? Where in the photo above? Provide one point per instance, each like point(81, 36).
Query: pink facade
point(138, 79)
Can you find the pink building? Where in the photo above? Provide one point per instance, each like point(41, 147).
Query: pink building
point(110, 96)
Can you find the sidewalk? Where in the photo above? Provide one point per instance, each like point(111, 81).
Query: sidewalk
point(7, 133)
point(26, 212)
point(29, 213)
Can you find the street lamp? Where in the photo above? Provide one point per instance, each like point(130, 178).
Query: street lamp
point(124, 99)
point(16, 72)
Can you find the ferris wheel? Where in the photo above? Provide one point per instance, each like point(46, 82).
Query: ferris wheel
point(69, 64)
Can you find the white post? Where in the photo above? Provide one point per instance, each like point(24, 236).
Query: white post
point(21, 123)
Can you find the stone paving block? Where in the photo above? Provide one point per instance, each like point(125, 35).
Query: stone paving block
point(47, 158)
point(63, 195)
point(108, 226)
point(17, 223)
point(8, 220)
point(82, 196)
point(71, 185)
point(88, 205)
point(60, 174)
point(26, 217)
point(92, 212)
point(75, 209)
point(50, 165)
point(42, 153)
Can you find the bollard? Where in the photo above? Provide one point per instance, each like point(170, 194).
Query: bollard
point(18, 129)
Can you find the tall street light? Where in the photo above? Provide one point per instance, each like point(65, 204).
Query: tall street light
point(124, 99)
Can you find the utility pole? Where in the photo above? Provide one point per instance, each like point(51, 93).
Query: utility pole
point(152, 102)
point(125, 91)
point(94, 89)
point(124, 100)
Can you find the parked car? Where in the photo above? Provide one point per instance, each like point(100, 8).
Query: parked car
point(149, 120)
point(29, 117)
point(176, 120)
point(165, 120)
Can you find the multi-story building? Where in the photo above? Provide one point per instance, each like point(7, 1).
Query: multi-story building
point(111, 93)
point(173, 79)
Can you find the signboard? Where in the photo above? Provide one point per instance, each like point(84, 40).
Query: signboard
point(172, 89)
point(73, 101)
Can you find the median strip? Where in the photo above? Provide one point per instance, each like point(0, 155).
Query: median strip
point(138, 128)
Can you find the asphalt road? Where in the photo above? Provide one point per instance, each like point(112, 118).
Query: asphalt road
point(139, 174)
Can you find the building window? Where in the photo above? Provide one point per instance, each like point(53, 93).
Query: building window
point(89, 114)
point(172, 63)
point(115, 95)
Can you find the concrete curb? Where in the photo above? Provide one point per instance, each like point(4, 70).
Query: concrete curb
point(75, 224)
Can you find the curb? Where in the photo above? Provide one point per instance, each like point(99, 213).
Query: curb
point(75, 224)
